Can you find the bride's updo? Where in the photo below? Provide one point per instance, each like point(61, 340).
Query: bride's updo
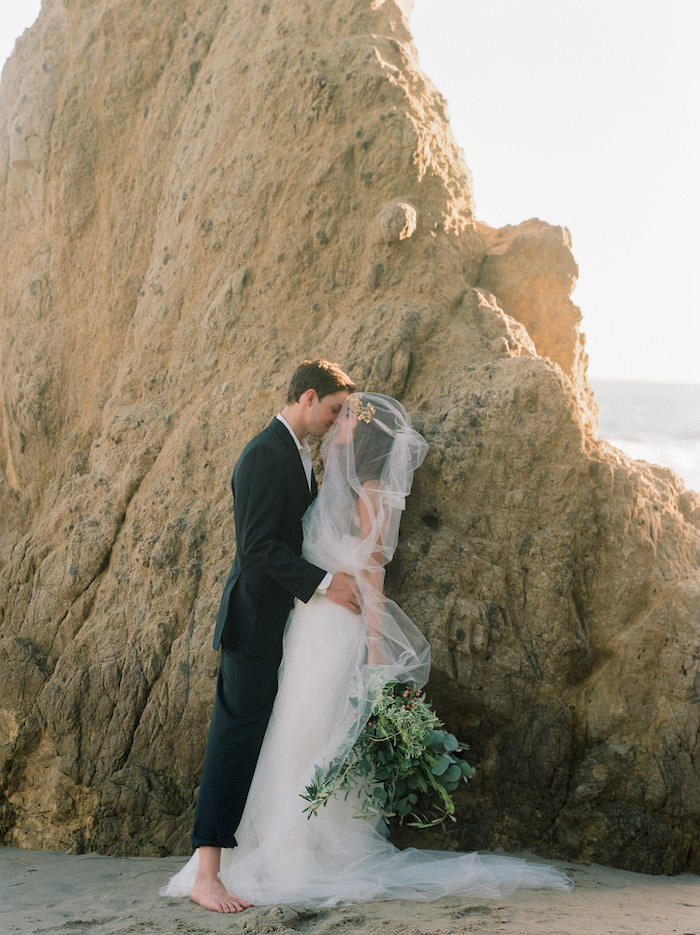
point(373, 434)
point(372, 445)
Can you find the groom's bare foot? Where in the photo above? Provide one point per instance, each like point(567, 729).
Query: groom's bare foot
point(212, 894)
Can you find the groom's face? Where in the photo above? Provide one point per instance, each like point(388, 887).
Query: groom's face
point(322, 413)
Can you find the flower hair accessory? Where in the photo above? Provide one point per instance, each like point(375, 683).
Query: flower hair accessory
point(364, 411)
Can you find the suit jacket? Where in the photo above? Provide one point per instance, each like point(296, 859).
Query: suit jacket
point(270, 496)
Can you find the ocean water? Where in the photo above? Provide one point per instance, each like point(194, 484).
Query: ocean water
point(658, 422)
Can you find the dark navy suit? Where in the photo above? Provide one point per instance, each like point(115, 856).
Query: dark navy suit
point(270, 496)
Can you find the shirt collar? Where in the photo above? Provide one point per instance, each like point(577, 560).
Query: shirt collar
point(302, 446)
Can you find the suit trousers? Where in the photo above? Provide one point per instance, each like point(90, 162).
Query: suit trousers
point(245, 692)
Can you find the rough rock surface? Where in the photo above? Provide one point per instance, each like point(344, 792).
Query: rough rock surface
point(193, 197)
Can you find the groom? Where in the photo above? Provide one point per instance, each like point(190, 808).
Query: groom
point(273, 484)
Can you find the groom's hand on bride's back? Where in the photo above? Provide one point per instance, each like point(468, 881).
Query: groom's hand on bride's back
point(342, 591)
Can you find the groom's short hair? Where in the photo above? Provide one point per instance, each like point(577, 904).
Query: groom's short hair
point(320, 375)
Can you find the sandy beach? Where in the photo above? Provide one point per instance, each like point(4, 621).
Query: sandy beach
point(48, 891)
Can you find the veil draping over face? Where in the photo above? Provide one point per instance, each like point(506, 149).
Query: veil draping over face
point(370, 456)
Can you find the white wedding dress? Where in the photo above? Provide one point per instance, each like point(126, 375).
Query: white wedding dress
point(324, 698)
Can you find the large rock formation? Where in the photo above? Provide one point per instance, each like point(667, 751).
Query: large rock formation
point(194, 197)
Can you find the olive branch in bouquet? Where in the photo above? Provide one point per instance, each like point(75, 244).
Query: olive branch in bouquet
point(403, 764)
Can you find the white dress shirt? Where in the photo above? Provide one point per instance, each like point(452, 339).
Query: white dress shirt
point(305, 455)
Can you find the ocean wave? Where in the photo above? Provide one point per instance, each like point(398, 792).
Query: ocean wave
point(681, 456)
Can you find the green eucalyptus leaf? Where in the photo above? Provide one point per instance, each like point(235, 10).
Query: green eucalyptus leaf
point(443, 763)
point(453, 773)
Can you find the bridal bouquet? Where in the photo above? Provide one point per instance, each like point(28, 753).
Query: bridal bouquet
point(403, 763)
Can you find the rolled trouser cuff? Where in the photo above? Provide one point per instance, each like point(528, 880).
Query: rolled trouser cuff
point(203, 842)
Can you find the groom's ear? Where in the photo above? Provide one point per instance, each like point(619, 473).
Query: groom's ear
point(307, 398)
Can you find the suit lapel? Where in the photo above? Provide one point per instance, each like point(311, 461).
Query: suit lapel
point(282, 432)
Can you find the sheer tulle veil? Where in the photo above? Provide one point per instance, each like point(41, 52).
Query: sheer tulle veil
point(371, 453)
point(369, 457)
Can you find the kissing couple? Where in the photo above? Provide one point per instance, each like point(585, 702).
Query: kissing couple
point(305, 630)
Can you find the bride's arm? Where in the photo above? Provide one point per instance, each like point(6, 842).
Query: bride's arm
point(372, 584)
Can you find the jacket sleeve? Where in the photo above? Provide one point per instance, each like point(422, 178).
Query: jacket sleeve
point(260, 481)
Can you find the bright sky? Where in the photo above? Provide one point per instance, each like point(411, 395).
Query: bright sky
point(583, 113)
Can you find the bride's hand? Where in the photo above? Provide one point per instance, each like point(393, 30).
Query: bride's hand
point(375, 656)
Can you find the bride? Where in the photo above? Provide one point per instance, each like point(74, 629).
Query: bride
point(331, 661)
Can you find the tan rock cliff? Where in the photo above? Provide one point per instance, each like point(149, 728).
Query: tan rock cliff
point(193, 198)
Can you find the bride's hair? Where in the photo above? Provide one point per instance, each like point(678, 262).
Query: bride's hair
point(372, 438)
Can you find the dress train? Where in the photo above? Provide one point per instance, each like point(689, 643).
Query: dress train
point(334, 857)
